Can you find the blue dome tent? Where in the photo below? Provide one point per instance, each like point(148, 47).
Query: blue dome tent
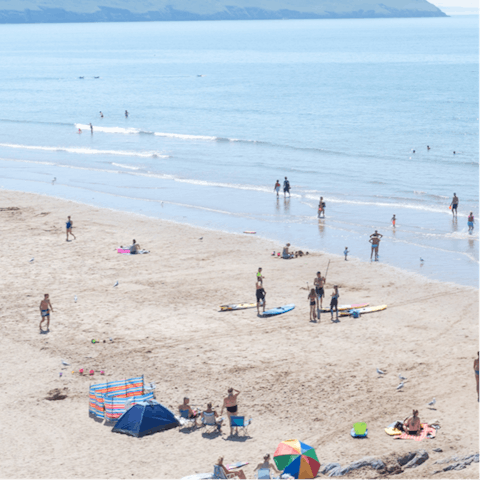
point(145, 418)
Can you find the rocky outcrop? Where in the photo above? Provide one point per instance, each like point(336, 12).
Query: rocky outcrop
point(59, 11)
point(459, 462)
point(336, 470)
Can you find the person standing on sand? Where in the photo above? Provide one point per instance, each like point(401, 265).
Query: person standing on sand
point(69, 226)
point(286, 187)
point(276, 188)
point(334, 302)
point(319, 283)
point(260, 297)
point(230, 403)
point(312, 296)
point(345, 252)
point(454, 204)
point(471, 222)
point(475, 367)
point(45, 307)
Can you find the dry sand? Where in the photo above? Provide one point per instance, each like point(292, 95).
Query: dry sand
point(297, 379)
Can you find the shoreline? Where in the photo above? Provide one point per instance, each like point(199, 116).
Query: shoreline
point(274, 244)
point(298, 379)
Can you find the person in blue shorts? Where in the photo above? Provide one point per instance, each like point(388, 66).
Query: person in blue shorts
point(286, 187)
point(471, 222)
point(45, 307)
point(69, 226)
point(454, 204)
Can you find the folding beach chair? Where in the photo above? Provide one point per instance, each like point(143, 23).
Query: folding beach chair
point(239, 422)
point(219, 473)
point(264, 474)
point(359, 430)
point(211, 423)
point(185, 420)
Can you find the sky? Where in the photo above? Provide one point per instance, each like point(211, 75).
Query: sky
point(455, 3)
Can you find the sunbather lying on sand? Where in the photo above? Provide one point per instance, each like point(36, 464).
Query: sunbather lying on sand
point(411, 425)
point(228, 474)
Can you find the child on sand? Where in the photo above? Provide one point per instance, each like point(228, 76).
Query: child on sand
point(334, 301)
point(345, 252)
point(45, 307)
point(312, 296)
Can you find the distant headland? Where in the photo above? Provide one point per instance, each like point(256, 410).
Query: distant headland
point(70, 11)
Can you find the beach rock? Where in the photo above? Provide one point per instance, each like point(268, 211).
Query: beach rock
point(460, 463)
point(437, 450)
point(406, 458)
point(330, 466)
point(421, 456)
point(364, 462)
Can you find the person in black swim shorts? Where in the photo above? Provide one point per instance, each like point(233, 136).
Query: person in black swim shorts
point(230, 403)
point(319, 283)
point(260, 296)
point(454, 204)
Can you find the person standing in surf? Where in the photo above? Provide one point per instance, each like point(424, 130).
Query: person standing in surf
point(286, 187)
point(375, 241)
point(394, 221)
point(471, 222)
point(91, 128)
point(126, 113)
point(276, 188)
point(454, 205)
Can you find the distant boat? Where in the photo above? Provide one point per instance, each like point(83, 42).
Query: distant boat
point(81, 77)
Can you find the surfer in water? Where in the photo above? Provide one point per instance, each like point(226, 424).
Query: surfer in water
point(260, 296)
point(454, 205)
point(276, 188)
point(471, 222)
point(91, 128)
point(126, 113)
point(319, 283)
point(101, 115)
point(79, 130)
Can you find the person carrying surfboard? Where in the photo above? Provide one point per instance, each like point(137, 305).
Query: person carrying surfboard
point(260, 297)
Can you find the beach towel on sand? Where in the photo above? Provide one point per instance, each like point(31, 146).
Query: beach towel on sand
point(426, 432)
point(126, 251)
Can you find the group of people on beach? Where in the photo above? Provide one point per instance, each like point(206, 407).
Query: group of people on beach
point(230, 404)
point(315, 298)
point(286, 187)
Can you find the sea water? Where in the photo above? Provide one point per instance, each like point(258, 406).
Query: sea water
point(218, 111)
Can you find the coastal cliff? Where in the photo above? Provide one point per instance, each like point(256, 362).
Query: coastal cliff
point(68, 11)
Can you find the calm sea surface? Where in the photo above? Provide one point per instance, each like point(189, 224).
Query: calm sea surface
point(220, 110)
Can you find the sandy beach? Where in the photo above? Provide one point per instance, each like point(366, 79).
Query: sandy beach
point(297, 379)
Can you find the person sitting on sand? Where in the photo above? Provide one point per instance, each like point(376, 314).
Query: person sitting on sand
point(186, 407)
point(230, 403)
point(209, 412)
point(475, 367)
point(266, 464)
point(134, 247)
point(228, 474)
point(412, 424)
point(285, 252)
point(260, 297)
point(312, 296)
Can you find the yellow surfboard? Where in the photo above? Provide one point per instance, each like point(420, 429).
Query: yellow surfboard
point(393, 431)
point(361, 311)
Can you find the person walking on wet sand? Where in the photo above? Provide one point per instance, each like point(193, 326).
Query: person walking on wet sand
point(394, 221)
point(276, 188)
point(334, 302)
point(321, 208)
point(471, 222)
point(230, 403)
point(286, 187)
point(312, 296)
point(260, 297)
point(375, 241)
point(69, 226)
point(454, 205)
point(475, 367)
point(45, 307)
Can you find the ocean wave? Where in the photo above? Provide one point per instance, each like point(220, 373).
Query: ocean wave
point(86, 151)
point(130, 167)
